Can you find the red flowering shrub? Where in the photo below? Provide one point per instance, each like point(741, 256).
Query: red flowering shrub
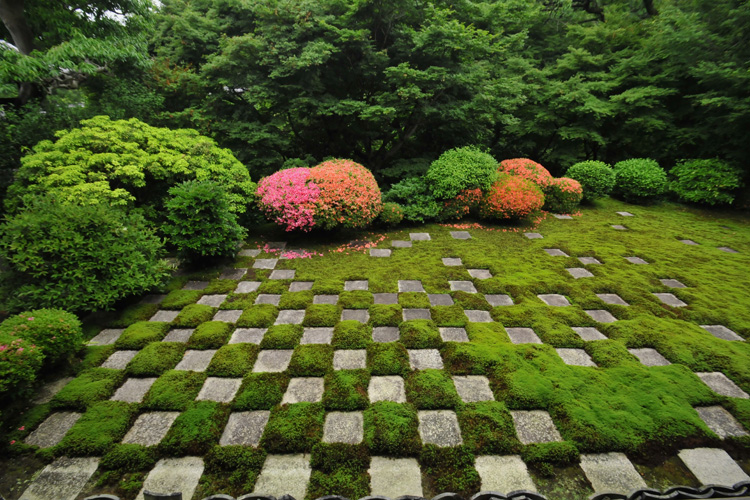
point(55, 332)
point(563, 195)
point(528, 169)
point(288, 198)
point(511, 197)
point(20, 360)
point(466, 201)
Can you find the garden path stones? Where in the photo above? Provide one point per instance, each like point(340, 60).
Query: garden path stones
point(721, 422)
point(380, 252)
point(385, 334)
point(350, 286)
point(611, 473)
point(554, 299)
point(533, 236)
point(480, 274)
point(498, 300)
point(394, 477)
point(579, 272)
point(728, 249)
point(460, 235)
point(265, 263)
point(721, 332)
point(322, 335)
point(424, 359)
point(48, 391)
point(290, 317)
point(478, 316)
point(713, 466)
point(625, 214)
point(720, 384)
point(386, 388)
point(179, 335)
point(245, 428)
point(612, 298)
point(108, 336)
point(401, 244)
point(473, 388)
point(452, 261)
point(349, 359)
point(600, 315)
point(212, 300)
point(63, 479)
point(649, 357)
point(247, 287)
point(588, 260)
point(150, 428)
point(503, 474)
point(562, 216)
point(343, 427)
point(462, 286)
point(619, 227)
point(233, 274)
point(268, 298)
point(133, 390)
point(165, 316)
point(326, 299)
point(535, 426)
point(119, 360)
point(410, 286)
point(575, 357)
point(410, 314)
point(276, 245)
point(221, 390)
point(688, 242)
point(523, 336)
point(670, 300)
point(439, 427)
point(282, 274)
point(248, 336)
point(195, 285)
point(440, 299)
point(249, 252)
point(419, 236)
point(228, 316)
point(672, 283)
point(555, 252)
point(300, 286)
point(636, 260)
point(304, 390)
point(171, 475)
point(284, 475)
point(589, 333)
point(361, 315)
point(53, 429)
point(195, 361)
point(451, 334)
point(272, 360)
point(385, 298)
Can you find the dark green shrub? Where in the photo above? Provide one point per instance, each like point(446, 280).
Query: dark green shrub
point(487, 428)
point(639, 180)
point(261, 391)
point(282, 337)
point(155, 359)
point(431, 390)
point(351, 335)
point(129, 458)
point(420, 334)
point(210, 335)
point(78, 257)
point(174, 390)
point(258, 316)
point(391, 429)
point(193, 315)
point(103, 425)
point(88, 387)
point(709, 181)
point(391, 215)
point(416, 199)
point(596, 177)
point(196, 429)
point(322, 315)
point(311, 360)
point(56, 332)
point(233, 360)
point(387, 359)
point(200, 222)
point(177, 299)
point(450, 469)
point(294, 428)
point(20, 362)
point(234, 467)
point(386, 314)
point(459, 169)
point(138, 335)
point(346, 390)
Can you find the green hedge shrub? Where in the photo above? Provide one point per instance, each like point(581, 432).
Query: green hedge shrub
point(56, 332)
point(596, 177)
point(639, 180)
point(416, 199)
point(459, 169)
point(391, 215)
point(709, 181)
point(20, 362)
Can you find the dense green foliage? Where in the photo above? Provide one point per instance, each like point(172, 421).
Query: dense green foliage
point(709, 182)
point(56, 332)
point(19, 363)
point(596, 177)
point(459, 169)
point(639, 180)
point(416, 199)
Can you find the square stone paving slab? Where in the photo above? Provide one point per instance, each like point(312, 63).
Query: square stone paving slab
point(619, 227)
point(385, 298)
point(612, 298)
point(385, 334)
point(462, 286)
point(452, 261)
point(300, 286)
point(119, 360)
point(523, 336)
point(343, 427)
point(503, 474)
point(589, 333)
point(272, 360)
point(728, 249)
point(601, 315)
point(394, 477)
point(174, 475)
point(579, 272)
point(635, 260)
point(588, 260)
point(233, 273)
point(439, 427)
point(721, 384)
point(533, 236)
point(53, 429)
point(268, 298)
point(248, 336)
point(245, 428)
point(248, 252)
point(133, 390)
point(440, 299)
point(419, 236)
point(554, 299)
point(555, 252)
point(670, 299)
point(165, 316)
point(380, 252)
point(195, 361)
point(460, 235)
point(625, 214)
point(611, 473)
point(453, 334)
point(721, 332)
point(350, 286)
point(410, 286)
point(108, 336)
point(401, 244)
point(562, 216)
point(150, 428)
point(322, 335)
point(284, 475)
point(575, 357)
point(688, 242)
point(282, 274)
point(671, 283)
point(221, 390)
point(535, 426)
point(228, 315)
point(473, 388)
point(721, 421)
point(386, 388)
point(361, 315)
point(480, 274)
point(153, 298)
point(410, 314)
point(195, 285)
point(496, 300)
point(247, 286)
point(326, 299)
point(304, 390)
point(181, 335)
point(214, 300)
point(423, 359)
point(649, 357)
point(265, 263)
point(49, 390)
point(713, 466)
point(350, 359)
point(63, 479)
point(478, 316)
point(290, 317)
point(276, 245)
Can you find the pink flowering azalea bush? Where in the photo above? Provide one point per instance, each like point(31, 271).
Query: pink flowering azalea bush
point(563, 195)
point(336, 193)
point(55, 332)
point(20, 361)
point(528, 169)
point(511, 197)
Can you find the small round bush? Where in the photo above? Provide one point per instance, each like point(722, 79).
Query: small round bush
point(511, 197)
point(20, 361)
point(639, 180)
point(56, 332)
point(415, 197)
point(200, 223)
point(528, 169)
point(465, 202)
point(459, 169)
point(709, 181)
point(288, 198)
point(596, 177)
point(391, 215)
point(562, 195)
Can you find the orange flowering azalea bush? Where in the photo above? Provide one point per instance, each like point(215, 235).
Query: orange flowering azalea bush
point(528, 169)
point(563, 195)
point(511, 197)
point(465, 202)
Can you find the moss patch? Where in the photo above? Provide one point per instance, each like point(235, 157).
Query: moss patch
point(387, 359)
point(138, 335)
point(294, 428)
point(431, 390)
point(351, 335)
point(282, 337)
point(261, 391)
point(175, 390)
point(90, 386)
point(210, 335)
point(233, 360)
point(346, 390)
point(193, 315)
point(155, 359)
point(258, 316)
point(196, 429)
point(312, 360)
point(392, 429)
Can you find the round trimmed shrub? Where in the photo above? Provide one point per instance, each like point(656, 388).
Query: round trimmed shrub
point(562, 195)
point(709, 181)
point(528, 169)
point(596, 177)
point(55, 332)
point(391, 215)
point(639, 179)
point(20, 361)
point(511, 197)
point(415, 197)
point(465, 202)
point(288, 198)
point(460, 169)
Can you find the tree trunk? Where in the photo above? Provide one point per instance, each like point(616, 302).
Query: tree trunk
point(12, 15)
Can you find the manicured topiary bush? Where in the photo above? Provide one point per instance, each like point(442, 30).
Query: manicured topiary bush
point(460, 169)
point(56, 332)
point(20, 361)
point(391, 215)
point(639, 180)
point(288, 198)
point(416, 198)
point(562, 195)
point(708, 181)
point(596, 177)
point(528, 169)
point(511, 197)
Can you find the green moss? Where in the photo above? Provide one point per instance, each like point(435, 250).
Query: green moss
point(431, 390)
point(420, 334)
point(233, 360)
point(232, 470)
point(346, 390)
point(296, 300)
point(155, 359)
point(339, 469)
point(449, 469)
point(558, 453)
point(196, 429)
point(217, 286)
point(193, 315)
point(261, 391)
point(351, 335)
point(258, 316)
point(327, 286)
point(451, 316)
point(95, 355)
point(174, 390)
point(356, 299)
point(294, 428)
point(385, 315)
point(391, 429)
point(88, 387)
point(322, 315)
point(282, 337)
point(388, 359)
point(413, 300)
point(104, 424)
point(177, 299)
point(274, 287)
point(472, 301)
point(487, 428)
point(311, 360)
point(210, 335)
point(239, 301)
point(133, 314)
point(129, 458)
point(136, 336)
